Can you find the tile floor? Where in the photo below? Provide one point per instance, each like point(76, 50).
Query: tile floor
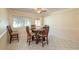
point(55, 43)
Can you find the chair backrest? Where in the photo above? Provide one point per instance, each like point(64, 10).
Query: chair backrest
point(27, 30)
point(9, 29)
point(33, 27)
point(45, 30)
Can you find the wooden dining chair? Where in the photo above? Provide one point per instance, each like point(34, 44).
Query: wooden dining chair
point(45, 35)
point(29, 36)
point(33, 28)
point(13, 35)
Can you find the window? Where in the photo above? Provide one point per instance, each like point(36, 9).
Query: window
point(27, 22)
point(38, 23)
point(20, 21)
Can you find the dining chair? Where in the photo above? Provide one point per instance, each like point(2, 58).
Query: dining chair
point(33, 28)
point(45, 35)
point(13, 34)
point(29, 36)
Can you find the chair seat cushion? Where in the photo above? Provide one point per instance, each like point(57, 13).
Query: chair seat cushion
point(14, 33)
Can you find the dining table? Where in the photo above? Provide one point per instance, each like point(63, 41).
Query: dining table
point(38, 35)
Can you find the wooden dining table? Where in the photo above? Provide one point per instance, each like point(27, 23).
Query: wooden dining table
point(37, 33)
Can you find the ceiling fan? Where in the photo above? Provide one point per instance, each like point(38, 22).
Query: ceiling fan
point(40, 10)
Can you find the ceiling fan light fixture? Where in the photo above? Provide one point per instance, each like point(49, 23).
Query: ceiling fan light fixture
point(40, 10)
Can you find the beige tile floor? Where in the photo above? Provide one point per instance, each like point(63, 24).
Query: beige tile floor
point(55, 43)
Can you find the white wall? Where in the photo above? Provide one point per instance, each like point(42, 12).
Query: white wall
point(3, 19)
point(3, 41)
point(65, 23)
point(3, 24)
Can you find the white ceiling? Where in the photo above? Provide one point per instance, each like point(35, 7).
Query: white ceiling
point(31, 10)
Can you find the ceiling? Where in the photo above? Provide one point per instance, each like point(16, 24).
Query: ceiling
point(31, 10)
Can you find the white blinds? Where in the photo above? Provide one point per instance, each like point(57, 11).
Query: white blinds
point(20, 21)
